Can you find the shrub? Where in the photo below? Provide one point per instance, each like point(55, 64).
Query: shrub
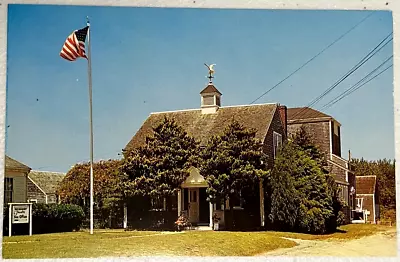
point(50, 218)
point(388, 215)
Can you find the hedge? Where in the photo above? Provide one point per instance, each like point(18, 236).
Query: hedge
point(49, 218)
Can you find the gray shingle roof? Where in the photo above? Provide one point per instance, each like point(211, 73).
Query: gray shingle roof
point(203, 126)
point(11, 163)
point(47, 181)
point(301, 113)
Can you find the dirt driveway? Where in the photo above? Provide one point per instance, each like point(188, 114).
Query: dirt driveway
point(380, 245)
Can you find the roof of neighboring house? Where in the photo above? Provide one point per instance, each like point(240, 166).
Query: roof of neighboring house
point(203, 126)
point(303, 113)
point(47, 181)
point(11, 163)
point(365, 184)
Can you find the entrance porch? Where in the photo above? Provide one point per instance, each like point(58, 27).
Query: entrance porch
point(192, 200)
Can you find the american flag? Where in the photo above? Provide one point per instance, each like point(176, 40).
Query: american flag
point(74, 46)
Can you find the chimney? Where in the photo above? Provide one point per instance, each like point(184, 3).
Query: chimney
point(210, 99)
point(283, 114)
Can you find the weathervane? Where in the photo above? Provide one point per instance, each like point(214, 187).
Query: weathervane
point(211, 71)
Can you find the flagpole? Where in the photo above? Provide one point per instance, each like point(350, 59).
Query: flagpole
point(89, 58)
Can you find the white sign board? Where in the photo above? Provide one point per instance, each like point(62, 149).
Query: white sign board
point(20, 214)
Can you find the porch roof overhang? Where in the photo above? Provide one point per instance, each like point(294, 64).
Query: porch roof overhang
point(194, 179)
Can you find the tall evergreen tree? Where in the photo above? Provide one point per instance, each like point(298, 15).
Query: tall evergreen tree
point(158, 168)
point(300, 198)
point(284, 198)
point(232, 162)
point(303, 139)
point(303, 193)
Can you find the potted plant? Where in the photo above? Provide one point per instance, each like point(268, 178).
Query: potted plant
point(216, 220)
point(182, 222)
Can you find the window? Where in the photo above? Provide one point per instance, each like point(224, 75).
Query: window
point(157, 203)
point(8, 190)
point(277, 142)
point(208, 100)
point(343, 193)
point(359, 202)
point(193, 196)
point(237, 200)
point(174, 202)
point(32, 200)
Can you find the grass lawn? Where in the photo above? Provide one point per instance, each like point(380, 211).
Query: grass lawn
point(347, 232)
point(139, 243)
point(106, 243)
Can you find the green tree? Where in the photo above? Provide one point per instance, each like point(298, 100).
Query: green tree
point(232, 162)
point(303, 139)
point(106, 182)
point(284, 198)
point(158, 168)
point(303, 193)
point(300, 195)
point(108, 194)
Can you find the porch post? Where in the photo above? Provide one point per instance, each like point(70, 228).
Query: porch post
point(211, 214)
point(125, 215)
point(262, 211)
point(179, 202)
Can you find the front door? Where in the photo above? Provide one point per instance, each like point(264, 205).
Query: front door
point(193, 205)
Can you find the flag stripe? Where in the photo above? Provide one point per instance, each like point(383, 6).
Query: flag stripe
point(71, 49)
point(74, 45)
point(68, 54)
point(65, 57)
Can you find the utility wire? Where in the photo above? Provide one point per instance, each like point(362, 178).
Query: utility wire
point(372, 53)
point(355, 86)
point(315, 56)
point(360, 86)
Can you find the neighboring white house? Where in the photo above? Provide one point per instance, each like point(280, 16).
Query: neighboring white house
point(15, 181)
point(367, 202)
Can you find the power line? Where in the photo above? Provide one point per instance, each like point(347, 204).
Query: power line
point(315, 56)
point(355, 86)
point(360, 86)
point(372, 53)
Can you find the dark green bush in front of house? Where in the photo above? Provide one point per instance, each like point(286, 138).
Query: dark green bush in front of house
point(49, 218)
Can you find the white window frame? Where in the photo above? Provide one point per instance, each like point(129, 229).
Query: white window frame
point(33, 201)
point(277, 142)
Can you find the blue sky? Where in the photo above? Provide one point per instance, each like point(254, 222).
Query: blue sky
point(148, 60)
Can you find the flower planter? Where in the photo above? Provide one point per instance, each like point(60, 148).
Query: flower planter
point(216, 226)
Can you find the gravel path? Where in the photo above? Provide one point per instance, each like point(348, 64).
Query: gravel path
point(383, 244)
